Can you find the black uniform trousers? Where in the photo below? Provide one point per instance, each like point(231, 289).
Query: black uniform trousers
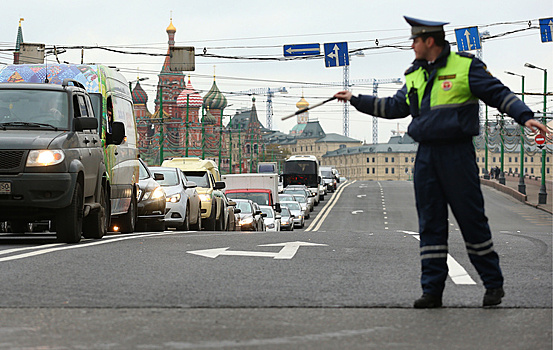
point(447, 173)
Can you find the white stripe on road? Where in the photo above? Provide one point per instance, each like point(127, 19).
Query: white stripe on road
point(318, 221)
point(49, 248)
point(456, 272)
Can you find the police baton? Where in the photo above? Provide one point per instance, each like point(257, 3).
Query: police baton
point(307, 108)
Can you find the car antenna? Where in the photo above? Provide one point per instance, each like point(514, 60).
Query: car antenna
point(46, 81)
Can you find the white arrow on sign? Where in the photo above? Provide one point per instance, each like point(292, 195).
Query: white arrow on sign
point(335, 53)
point(288, 251)
point(467, 35)
point(314, 49)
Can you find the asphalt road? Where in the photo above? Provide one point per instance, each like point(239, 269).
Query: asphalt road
point(348, 279)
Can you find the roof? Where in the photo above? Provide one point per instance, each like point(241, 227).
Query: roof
point(194, 98)
point(333, 137)
point(312, 130)
point(214, 99)
point(139, 95)
point(378, 148)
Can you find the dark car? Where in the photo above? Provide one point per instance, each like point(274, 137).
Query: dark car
point(251, 219)
point(151, 200)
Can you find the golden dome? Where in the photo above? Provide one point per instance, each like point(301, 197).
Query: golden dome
point(171, 27)
point(302, 103)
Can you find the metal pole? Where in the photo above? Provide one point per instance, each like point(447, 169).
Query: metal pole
point(220, 138)
point(187, 104)
point(521, 184)
point(161, 141)
point(486, 173)
point(230, 144)
point(239, 149)
point(542, 197)
point(502, 173)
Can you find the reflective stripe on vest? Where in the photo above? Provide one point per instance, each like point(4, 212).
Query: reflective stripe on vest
point(450, 86)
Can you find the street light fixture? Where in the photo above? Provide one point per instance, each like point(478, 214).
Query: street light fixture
point(542, 197)
point(521, 184)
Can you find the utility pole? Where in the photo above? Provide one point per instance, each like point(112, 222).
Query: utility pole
point(161, 141)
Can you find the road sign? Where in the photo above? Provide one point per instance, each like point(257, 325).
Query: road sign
point(336, 54)
point(302, 50)
point(546, 29)
point(467, 39)
point(289, 249)
point(540, 140)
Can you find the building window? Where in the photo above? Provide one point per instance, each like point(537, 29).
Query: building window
point(386, 160)
point(368, 159)
point(392, 159)
point(510, 159)
point(368, 170)
point(393, 170)
point(531, 170)
point(525, 159)
point(386, 171)
point(532, 159)
point(494, 159)
point(412, 159)
point(516, 159)
point(373, 170)
point(373, 159)
point(406, 159)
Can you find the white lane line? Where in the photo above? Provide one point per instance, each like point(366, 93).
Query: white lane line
point(51, 247)
point(318, 221)
point(456, 272)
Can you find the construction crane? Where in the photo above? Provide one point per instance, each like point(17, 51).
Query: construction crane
point(270, 92)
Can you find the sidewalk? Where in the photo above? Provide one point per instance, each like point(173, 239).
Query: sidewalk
point(532, 191)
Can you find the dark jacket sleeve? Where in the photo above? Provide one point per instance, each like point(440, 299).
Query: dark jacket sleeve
point(493, 93)
point(386, 107)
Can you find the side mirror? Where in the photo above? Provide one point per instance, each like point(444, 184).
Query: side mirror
point(159, 177)
point(263, 215)
point(85, 123)
point(219, 185)
point(117, 134)
point(237, 210)
point(257, 212)
point(191, 184)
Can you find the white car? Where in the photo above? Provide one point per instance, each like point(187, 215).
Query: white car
point(183, 210)
point(272, 220)
point(295, 209)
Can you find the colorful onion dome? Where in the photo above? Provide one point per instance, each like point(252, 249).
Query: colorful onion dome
point(302, 103)
point(194, 100)
point(214, 99)
point(209, 118)
point(139, 95)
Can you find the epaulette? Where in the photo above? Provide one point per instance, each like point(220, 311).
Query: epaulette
point(411, 69)
point(465, 54)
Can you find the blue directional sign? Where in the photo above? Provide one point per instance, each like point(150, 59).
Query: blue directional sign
point(336, 54)
point(546, 29)
point(302, 50)
point(468, 39)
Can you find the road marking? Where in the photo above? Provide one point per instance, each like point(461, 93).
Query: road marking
point(318, 221)
point(50, 248)
point(288, 251)
point(456, 272)
point(355, 212)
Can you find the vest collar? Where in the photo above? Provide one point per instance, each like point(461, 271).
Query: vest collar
point(441, 61)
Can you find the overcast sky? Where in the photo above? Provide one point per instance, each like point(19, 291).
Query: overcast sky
point(253, 29)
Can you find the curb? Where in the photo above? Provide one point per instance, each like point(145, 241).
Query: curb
point(513, 193)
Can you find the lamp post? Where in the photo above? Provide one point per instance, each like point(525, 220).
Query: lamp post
point(521, 184)
point(542, 197)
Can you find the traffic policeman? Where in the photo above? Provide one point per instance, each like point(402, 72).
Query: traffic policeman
point(441, 93)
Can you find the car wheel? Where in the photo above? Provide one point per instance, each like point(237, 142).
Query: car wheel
point(186, 224)
point(96, 224)
point(69, 220)
point(127, 221)
point(198, 225)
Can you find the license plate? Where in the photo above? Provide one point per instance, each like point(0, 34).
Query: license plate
point(5, 188)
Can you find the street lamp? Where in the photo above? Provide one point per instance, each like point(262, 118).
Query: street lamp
point(521, 184)
point(542, 198)
point(136, 81)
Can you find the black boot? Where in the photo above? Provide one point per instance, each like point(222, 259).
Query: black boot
point(493, 297)
point(428, 301)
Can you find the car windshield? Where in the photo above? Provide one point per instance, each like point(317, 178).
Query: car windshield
point(170, 177)
point(292, 205)
point(31, 108)
point(142, 172)
point(284, 212)
point(300, 198)
point(302, 192)
point(267, 211)
point(259, 198)
point(326, 173)
point(199, 177)
point(244, 207)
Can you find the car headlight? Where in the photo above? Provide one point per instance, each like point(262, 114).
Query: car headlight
point(158, 193)
point(271, 226)
point(173, 198)
point(205, 197)
point(45, 157)
point(246, 221)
